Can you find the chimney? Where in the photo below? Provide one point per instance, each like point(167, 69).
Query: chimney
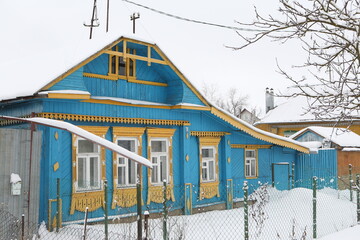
point(269, 99)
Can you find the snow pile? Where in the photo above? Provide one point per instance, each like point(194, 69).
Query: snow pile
point(15, 178)
point(284, 215)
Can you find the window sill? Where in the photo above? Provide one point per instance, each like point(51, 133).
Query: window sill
point(252, 177)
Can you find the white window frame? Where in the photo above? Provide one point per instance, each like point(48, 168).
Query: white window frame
point(87, 157)
point(126, 164)
point(248, 161)
point(157, 166)
point(206, 161)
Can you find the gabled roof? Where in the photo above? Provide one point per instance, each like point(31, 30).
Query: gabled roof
point(340, 136)
point(235, 122)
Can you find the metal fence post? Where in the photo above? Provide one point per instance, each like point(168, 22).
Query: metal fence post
point(314, 207)
point(22, 226)
point(350, 182)
point(106, 209)
point(58, 204)
point(139, 218)
point(165, 237)
point(358, 197)
point(246, 211)
point(146, 224)
point(293, 175)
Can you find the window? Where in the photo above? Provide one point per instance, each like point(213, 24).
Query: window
point(208, 163)
point(120, 66)
point(159, 158)
point(250, 163)
point(88, 165)
point(127, 169)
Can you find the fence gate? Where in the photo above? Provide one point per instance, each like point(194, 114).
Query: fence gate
point(280, 176)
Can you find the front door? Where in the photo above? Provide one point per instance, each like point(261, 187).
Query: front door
point(281, 179)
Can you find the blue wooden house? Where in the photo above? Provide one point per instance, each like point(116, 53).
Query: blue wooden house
point(130, 93)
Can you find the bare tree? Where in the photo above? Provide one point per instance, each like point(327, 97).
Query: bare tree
point(233, 101)
point(329, 31)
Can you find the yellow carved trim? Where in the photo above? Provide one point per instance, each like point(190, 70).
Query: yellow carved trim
point(124, 197)
point(56, 135)
point(156, 194)
point(251, 146)
point(68, 96)
point(257, 133)
point(187, 157)
point(100, 76)
point(160, 132)
point(97, 130)
point(148, 83)
point(56, 166)
point(89, 118)
point(229, 160)
point(208, 134)
point(92, 200)
point(209, 141)
point(209, 190)
point(128, 131)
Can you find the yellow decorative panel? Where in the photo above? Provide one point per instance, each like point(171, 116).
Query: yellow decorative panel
point(209, 190)
point(124, 197)
point(156, 194)
point(56, 135)
point(90, 200)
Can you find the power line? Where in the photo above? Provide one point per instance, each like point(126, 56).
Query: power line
point(191, 20)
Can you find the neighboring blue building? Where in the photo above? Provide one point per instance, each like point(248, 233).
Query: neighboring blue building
point(129, 92)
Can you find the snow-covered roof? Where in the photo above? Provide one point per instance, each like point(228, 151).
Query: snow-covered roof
point(340, 136)
point(293, 110)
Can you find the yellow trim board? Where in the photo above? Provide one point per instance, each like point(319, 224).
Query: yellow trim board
point(257, 134)
point(68, 96)
point(250, 146)
point(112, 102)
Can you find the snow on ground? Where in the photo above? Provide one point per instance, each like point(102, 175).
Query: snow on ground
point(287, 215)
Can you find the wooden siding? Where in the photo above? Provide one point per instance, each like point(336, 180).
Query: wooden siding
point(322, 165)
point(346, 158)
point(72, 82)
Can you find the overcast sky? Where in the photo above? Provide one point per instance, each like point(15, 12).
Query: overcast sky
point(34, 32)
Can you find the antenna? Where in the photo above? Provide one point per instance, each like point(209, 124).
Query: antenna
point(133, 17)
point(94, 18)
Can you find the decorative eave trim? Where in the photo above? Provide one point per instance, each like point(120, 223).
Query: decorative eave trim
point(208, 134)
point(91, 118)
point(257, 134)
point(251, 146)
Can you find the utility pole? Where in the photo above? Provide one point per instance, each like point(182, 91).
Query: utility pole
point(94, 18)
point(133, 17)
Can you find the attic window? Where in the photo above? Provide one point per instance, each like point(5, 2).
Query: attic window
point(120, 66)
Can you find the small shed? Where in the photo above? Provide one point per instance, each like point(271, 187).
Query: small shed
point(344, 141)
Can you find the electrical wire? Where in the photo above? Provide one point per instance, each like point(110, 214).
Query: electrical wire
point(191, 20)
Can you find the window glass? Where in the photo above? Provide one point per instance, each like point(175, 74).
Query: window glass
point(113, 64)
point(85, 146)
point(81, 172)
point(158, 146)
point(122, 66)
point(211, 170)
point(94, 172)
point(127, 144)
point(207, 152)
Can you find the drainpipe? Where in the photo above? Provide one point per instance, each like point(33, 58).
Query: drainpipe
point(32, 129)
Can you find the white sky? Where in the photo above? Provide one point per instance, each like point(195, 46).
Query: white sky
point(34, 32)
